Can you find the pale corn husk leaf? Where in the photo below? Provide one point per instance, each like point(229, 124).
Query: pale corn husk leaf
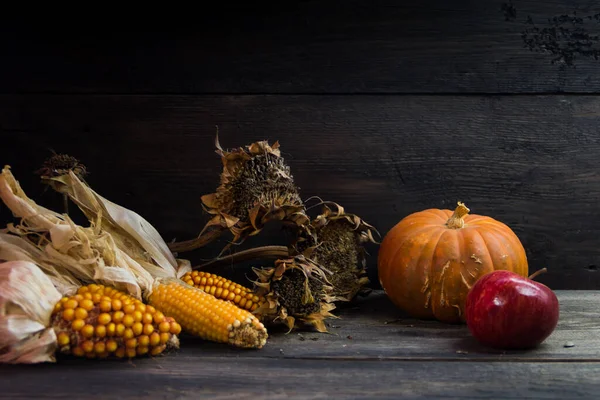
point(15, 248)
point(27, 299)
point(90, 254)
point(137, 235)
point(134, 235)
point(138, 239)
point(296, 293)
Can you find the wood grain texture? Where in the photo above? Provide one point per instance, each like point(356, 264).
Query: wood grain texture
point(530, 162)
point(406, 358)
point(431, 46)
point(201, 377)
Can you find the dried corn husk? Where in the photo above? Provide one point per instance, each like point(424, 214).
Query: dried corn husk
point(27, 299)
point(296, 292)
point(130, 231)
point(256, 187)
point(15, 248)
point(89, 254)
point(336, 241)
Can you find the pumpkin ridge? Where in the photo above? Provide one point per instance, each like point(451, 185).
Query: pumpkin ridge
point(435, 212)
point(432, 271)
point(398, 247)
point(494, 236)
point(482, 271)
point(426, 287)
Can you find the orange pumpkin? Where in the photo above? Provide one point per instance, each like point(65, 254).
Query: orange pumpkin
point(428, 262)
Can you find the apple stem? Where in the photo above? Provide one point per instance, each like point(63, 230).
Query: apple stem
point(456, 220)
point(538, 272)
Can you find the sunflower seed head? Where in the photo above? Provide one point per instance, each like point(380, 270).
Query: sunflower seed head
point(297, 292)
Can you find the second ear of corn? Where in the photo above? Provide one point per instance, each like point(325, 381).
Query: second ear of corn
point(201, 314)
point(224, 289)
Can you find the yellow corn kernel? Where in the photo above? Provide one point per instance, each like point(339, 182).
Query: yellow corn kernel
point(205, 316)
point(100, 331)
point(78, 324)
point(63, 339)
point(105, 306)
point(87, 331)
point(81, 313)
point(104, 318)
point(154, 339)
point(148, 329)
point(87, 304)
point(71, 303)
point(116, 305)
point(111, 346)
point(223, 289)
point(144, 340)
point(111, 329)
point(99, 347)
point(102, 322)
point(137, 328)
point(68, 314)
point(118, 316)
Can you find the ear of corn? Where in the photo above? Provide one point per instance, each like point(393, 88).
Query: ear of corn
point(102, 322)
point(294, 293)
point(224, 289)
point(203, 315)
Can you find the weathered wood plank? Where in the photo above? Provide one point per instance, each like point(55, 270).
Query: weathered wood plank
point(528, 161)
point(432, 46)
point(374, 329)
point(410, 358)
point(229, 378)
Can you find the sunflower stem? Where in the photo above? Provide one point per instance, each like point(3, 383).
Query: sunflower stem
point(274, 252)
point(193, 244)
point(66, 203)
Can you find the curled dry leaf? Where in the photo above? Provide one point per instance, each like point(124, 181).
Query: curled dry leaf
point(256, 186)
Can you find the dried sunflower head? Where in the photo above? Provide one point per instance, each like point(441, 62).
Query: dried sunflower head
point(336, 241)
point(296, 293)
point(61, 164)
point(256, 187)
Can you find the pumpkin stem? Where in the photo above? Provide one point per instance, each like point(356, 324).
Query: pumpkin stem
point(536, 273)
point(456, 220)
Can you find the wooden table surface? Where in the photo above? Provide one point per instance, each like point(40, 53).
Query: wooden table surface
point(372, 352)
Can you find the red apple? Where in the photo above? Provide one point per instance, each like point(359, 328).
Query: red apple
point(508, 311)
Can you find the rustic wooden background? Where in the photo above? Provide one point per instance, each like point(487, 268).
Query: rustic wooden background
point(386, 108)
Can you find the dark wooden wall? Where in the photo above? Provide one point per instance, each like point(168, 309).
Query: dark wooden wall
point(386, 108)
